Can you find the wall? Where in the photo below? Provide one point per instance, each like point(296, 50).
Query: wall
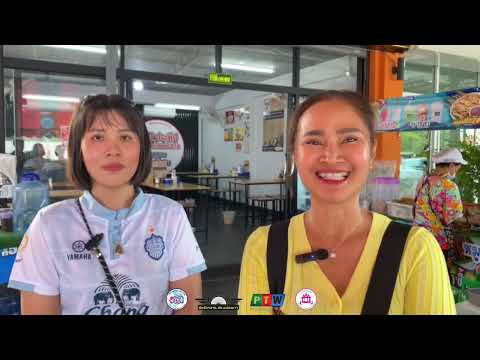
point(265, 165)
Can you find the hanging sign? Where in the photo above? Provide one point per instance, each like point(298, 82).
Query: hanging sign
point(222, 79)
point(440, 111)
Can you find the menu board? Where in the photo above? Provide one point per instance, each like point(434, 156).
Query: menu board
point(445, 110)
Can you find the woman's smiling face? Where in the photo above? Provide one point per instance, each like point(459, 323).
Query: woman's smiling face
point(333, 151)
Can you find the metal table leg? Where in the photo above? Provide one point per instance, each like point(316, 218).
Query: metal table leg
point(281, 197)
point(246, 204)
point(206, 224)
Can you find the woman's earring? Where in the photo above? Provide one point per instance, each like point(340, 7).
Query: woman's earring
point(292, 169)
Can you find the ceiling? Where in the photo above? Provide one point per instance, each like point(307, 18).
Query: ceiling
point(189, 60)
point(468, 51)
point(456, 72)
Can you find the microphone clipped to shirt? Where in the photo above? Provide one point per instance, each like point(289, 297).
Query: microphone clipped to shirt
point(320, 254)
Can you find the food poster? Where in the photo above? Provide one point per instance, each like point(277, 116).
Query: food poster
point(273, 129)
point(237, 128)
point(238, 134)
point(228, 135)
point(229, 117)
point(440, 111)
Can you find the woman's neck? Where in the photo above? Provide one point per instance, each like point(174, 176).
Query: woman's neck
point(114, 198)
point(329, 224)
point(439, 172)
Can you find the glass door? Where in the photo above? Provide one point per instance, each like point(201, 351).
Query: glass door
point(39, 109)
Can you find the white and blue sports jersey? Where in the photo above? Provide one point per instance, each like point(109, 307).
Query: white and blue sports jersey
point(158, 247)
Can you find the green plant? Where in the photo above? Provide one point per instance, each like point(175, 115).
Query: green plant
point(468, 178)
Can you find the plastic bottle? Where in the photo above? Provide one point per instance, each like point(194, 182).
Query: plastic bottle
point(29, 196)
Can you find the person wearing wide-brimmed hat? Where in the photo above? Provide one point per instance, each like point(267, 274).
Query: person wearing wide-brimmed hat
point(438, 202)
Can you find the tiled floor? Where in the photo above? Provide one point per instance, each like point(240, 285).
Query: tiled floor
point(225, 242)
point(223, 254)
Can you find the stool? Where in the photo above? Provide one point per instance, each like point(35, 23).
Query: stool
point(231, 196)
point(261, 202)
point(190, 211)
point(219, 195)
point(277, 203)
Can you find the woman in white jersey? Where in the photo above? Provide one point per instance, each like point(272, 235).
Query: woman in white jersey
point(115, 250)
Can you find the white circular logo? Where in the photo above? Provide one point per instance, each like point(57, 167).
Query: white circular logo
point(218, 300)
point(306, 299)
point(166, 142)
point(177, 299)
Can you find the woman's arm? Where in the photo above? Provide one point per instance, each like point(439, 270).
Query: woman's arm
point(34, 304)
point(192, 285)
point(253, 273)
point(452, 202)
point(428, 290)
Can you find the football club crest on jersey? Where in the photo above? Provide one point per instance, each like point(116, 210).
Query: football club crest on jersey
point(154, 247)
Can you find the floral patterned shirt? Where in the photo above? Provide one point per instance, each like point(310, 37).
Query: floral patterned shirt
point(446, 203)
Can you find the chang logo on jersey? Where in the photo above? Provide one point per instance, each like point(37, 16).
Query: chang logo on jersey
point(106, 304)
point(154, 246)
point(79, 252)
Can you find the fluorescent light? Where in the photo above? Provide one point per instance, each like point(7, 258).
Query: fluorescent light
point(161, 82)
point(248, 68)
point(51, 98)
point(177, 106)
point(161, 112)
point(91, 49)
point(138, 85)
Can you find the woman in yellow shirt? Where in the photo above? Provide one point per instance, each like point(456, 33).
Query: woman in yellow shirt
point(333, 142)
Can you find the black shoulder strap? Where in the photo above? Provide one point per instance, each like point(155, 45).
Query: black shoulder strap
point(277, 254)
point(384, 275)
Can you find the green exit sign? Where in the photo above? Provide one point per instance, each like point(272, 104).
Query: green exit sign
point(223, 79)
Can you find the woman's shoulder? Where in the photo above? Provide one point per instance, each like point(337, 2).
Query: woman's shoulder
point(422, 239)
point(55, 215)
point(257, 241)
point(418, 238)
point(161, 202)
point(58, 208)
point(448, 184)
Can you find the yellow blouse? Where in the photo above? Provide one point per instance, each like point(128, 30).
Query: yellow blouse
point(422, 286)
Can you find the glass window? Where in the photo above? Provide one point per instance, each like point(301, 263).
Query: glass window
point(419, 70)
point(145, 86)
point(39, 108)
point(324, 69)
point(93, 55)
point(457, 72)
point(188, 60)
point(265, 64)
